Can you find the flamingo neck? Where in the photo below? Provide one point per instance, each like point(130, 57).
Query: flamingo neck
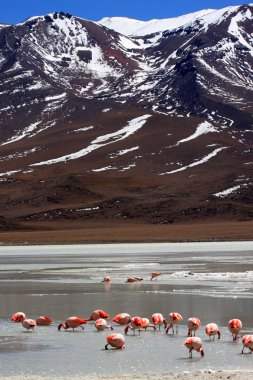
point(62, 325)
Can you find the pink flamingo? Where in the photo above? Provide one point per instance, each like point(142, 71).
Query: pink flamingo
point(234, 326)
point(28, 324)
point(135, 324)
point(158, 320)
point(193, 325)
point(122, 319)
point(154, 275)
point(247, 341)
point(101, 325)
point(134, 279)
point(212, 330)
point(145, 324)
point(116, 341)
point(73, 323)
point(194, 343)
point(44, 320)
point(18, 317)
point(106, 279)
point(96, 314)
point(174, 319)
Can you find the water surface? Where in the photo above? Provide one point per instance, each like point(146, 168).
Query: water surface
point(212, 281)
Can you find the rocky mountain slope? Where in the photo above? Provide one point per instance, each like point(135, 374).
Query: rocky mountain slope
point(126, 120)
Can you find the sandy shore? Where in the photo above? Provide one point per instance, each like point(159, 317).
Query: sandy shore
point(125, 233)
point(202, 375)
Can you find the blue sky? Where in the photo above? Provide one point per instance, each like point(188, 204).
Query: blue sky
point(13, 11)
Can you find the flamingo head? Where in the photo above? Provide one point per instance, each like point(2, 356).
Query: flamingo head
point(126, 329)
point(60, 326)
point(165, 323)
point(202, 352)
point(219, 334)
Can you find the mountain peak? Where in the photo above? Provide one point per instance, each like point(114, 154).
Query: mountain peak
point(132, 27)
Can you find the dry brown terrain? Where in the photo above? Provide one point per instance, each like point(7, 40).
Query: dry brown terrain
point(116, 233)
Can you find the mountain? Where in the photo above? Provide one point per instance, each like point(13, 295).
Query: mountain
point(153, 125)
point(132, 27)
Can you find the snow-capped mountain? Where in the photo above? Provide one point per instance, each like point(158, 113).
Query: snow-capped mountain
point(160, 110)
point(132, 27)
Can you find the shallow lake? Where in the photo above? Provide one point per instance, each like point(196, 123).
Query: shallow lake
point(212, 281)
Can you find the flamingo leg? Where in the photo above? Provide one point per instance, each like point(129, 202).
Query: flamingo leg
point(190, 353)
point(177, 329)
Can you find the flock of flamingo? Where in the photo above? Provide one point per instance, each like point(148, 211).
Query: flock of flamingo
point(137, 323)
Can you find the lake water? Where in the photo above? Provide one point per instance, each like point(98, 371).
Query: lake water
point(212, 281)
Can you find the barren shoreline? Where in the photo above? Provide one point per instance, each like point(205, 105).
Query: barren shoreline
point(201, 375)
point(129, 233)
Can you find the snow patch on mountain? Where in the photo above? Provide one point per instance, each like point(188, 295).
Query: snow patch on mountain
point(216, 16)
point(124, 151)
point(25, 133)
point(132, 27)
point(196, 163)
point(235, 30)
point(56, 97)
point(202, 129)
point(132, 127)
point(229, 191)
point(19, 154)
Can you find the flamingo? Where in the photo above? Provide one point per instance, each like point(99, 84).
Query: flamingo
point(101, 325)
point(194, 343)
point(212, 330)
point(234, 326)
point(134, 279)
point(154, 275)
point(115, 340)
point(145, 324)
point(135, 324)
point(158, 320)
point(174, 319)
point(247, 341)
point(122, 319)
point(96, 314)
point(28, 324)
point(106, 279)
point(44, 320)
point(73, 323)
point(18, 317)
point(193, 325)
